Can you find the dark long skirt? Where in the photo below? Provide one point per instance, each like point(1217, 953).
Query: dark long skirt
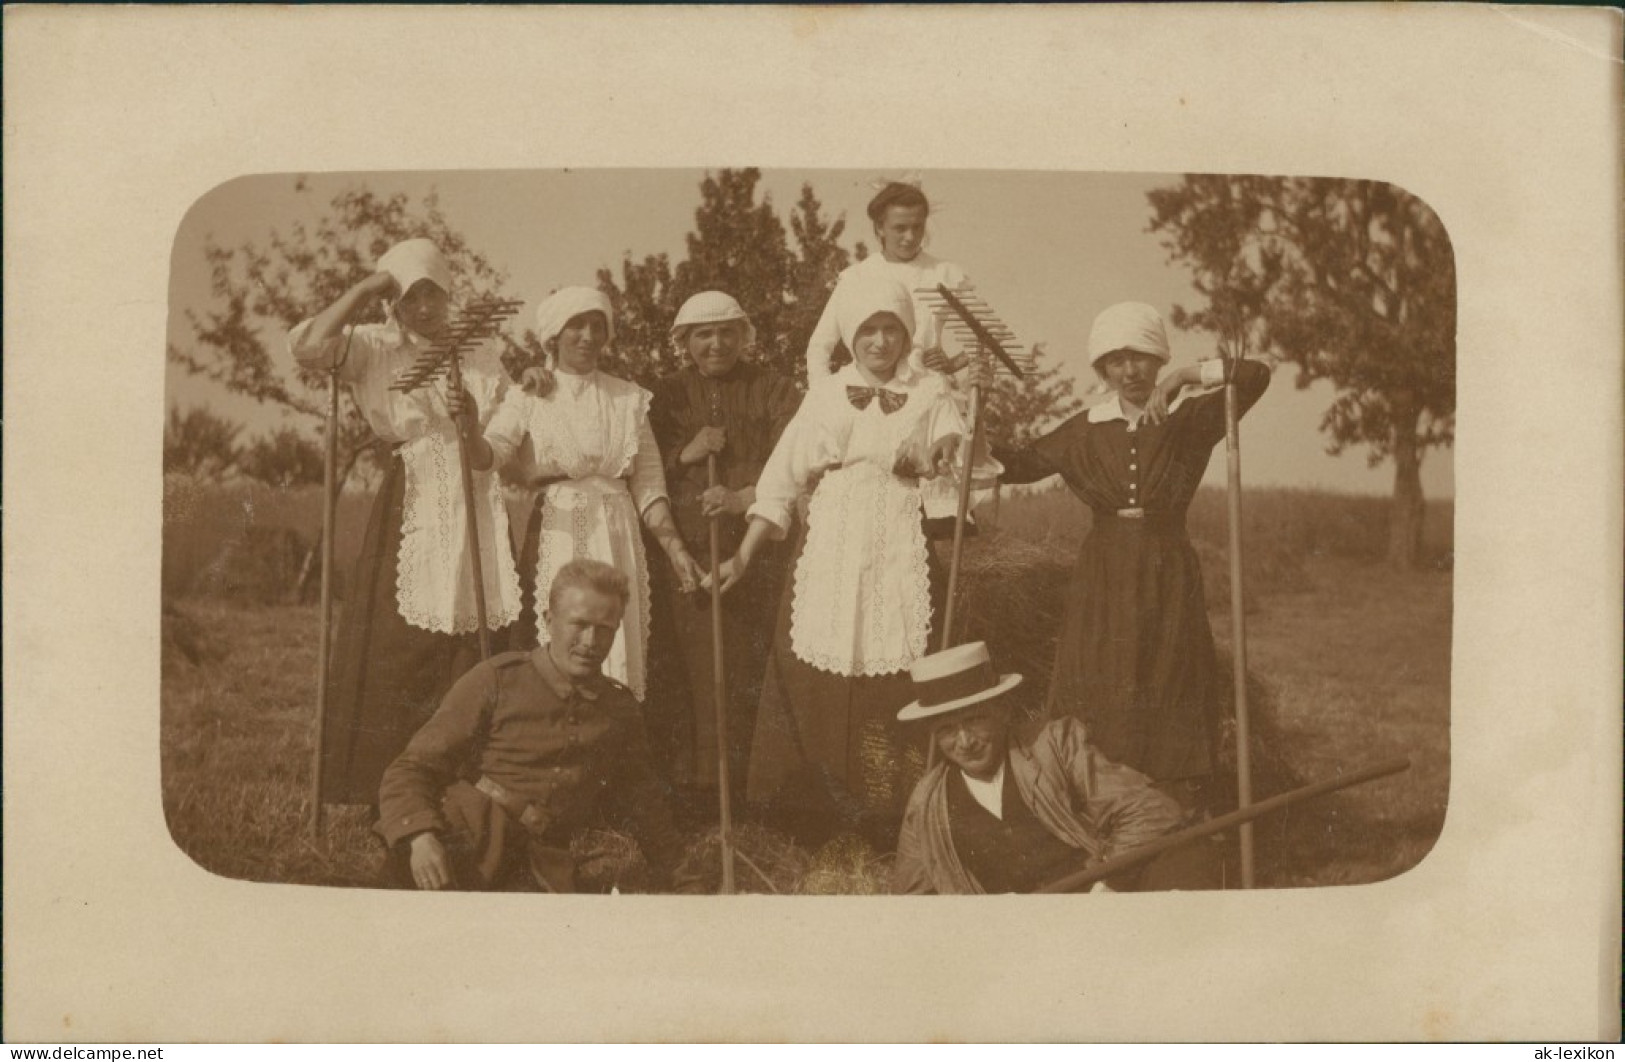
point(1135, 659)
point(387, 676)
point(829, 755)
point(681, 706)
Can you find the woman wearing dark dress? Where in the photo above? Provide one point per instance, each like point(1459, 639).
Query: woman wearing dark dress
point(1135, 658)
point(721, 405)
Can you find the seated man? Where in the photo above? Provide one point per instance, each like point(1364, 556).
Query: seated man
point(525, 750)
point(995, 813)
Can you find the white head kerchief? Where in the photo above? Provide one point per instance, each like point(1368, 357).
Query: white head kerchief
point(557, 309)
point(862, 295)
point(1129, 326)
point(710, 307)
point(413, 260)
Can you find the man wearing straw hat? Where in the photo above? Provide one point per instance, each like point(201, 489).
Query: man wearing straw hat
point(1001, 813)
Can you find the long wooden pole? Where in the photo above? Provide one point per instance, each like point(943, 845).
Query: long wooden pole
point(454, 379)
point(1241, 816)
point(719, 687)
point(324, 650)
point(968, 464)
point(1238, 619)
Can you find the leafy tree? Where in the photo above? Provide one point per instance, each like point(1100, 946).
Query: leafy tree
point(200, 444)
point(286, 457)
point(738, 245)
point(1352, 282)
point(262, 288)
point(1015, 412)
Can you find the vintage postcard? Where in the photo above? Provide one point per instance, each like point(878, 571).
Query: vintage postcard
point(796, 517)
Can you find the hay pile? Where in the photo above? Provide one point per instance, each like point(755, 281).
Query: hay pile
point(1014, 597)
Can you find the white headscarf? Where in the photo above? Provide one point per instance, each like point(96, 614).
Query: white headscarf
point(862, 295)
point(557, 309)
point(710, 307)
point(413, 260)
point(1129, 326)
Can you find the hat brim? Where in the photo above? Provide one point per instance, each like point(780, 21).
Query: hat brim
point(916, 711)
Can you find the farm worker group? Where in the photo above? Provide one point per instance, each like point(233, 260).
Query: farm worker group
point(597, 707)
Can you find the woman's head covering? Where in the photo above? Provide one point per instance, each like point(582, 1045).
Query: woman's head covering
point(416, 260)
point(413, 260)
point(557, 309)
point(862, 295)
point(709, 307)
point(1128, 326)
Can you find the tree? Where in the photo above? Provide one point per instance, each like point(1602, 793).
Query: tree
point(286, 457)
point(1352, 282)
point(739, 246)
point(261, 289)
point(200, 444)
point(1015, 412)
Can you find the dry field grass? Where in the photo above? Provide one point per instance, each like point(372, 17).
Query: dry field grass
point(1349, 664)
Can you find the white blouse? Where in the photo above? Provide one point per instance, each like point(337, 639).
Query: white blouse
point(434, 584)
point(862, 602)
point(589, 446)
point(590, 425)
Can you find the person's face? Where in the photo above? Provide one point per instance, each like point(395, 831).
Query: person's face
point(974, 740)
point(880, 343)
point(715, 348)
point(1131, 374)
point(901, 231)
point(424, 309)
point(582, 626)
point(581, 341)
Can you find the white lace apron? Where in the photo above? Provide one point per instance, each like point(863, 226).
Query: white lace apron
point(434, 584)
point(595, 517)
point(864, 545)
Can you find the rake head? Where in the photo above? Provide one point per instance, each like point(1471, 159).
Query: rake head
point(971, 320)
point(473, 325)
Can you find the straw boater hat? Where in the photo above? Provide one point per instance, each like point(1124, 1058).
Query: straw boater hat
point(953, 679)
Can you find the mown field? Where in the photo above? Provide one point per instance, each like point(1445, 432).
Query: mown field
point(1349, 664)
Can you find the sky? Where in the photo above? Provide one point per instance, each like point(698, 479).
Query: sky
point(1048, 250)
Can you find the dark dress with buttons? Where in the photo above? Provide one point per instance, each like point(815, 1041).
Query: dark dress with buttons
point(1135, 658)
point(515, 762)
point(753, 406)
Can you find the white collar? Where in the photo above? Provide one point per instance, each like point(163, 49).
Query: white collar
point(989, 794)
point(1111, 407)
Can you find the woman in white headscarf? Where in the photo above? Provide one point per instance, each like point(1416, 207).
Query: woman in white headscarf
point(587, 447)
point(898, 214)
point(409, 622)
point(828, 752)
point(1135, 656)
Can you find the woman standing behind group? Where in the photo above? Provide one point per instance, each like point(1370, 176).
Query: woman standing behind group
point(724, 410)
point(408, 627)
point(828, 753)
point(587, 448)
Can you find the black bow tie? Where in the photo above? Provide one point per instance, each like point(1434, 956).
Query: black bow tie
point(890, 401)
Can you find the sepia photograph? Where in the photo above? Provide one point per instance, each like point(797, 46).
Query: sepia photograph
point(979, 637)
point(1075, 524)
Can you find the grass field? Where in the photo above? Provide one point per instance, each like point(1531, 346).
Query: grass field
point(1349, 663)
